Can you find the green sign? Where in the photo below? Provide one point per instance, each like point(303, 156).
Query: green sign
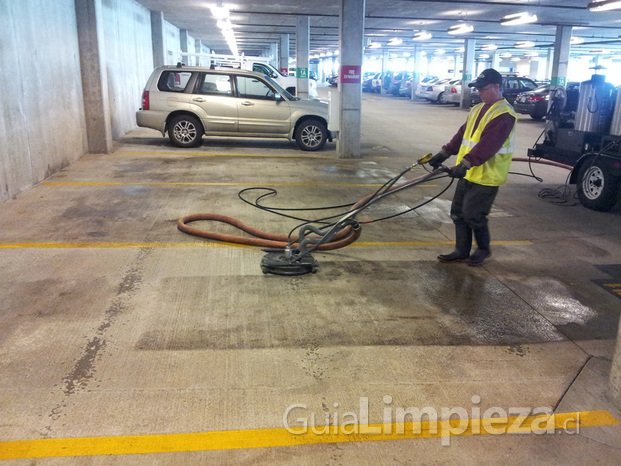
point(558, 81)
point(466, 77)
point(301, 73)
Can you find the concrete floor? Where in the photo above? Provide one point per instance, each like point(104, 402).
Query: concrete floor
point(115, 324)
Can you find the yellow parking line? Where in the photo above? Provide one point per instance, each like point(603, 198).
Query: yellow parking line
point(214, 244)
point(183, 183)
point(207, 154)
point(269, 438)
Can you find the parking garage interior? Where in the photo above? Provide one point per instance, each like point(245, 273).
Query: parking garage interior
point(126, 341)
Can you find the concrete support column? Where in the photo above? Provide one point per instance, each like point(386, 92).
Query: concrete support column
point(468, 73)
point(283, 54)
point(198, 48)
point(89, 18)
point(183, 46)
point(496, 60)
point(157, 38)
point(302, 47)
point(561, 55)
point(351, 33)
point(549, 59)
point(418, 65)
point(385, 68)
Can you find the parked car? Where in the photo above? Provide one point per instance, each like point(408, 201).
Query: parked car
point(367, 81)
point(422, 86)
point(395, 82)
point(406, 87)
point(333, 80)
point(432, 91)
point(452, 93)
point(187, 102)
point(376, 83)
point(535, 102)
point(511, 87)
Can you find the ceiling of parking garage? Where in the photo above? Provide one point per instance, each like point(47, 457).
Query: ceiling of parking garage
point(259, 24)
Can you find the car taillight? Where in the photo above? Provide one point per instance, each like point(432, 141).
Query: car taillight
point(145, 100)
point(536, 98)
point(453, 90)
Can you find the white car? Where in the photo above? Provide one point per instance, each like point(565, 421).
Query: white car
point(452, 93)
point(435, 92)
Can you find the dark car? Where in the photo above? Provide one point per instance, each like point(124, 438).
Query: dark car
point(333, 79)
point(511, 87)
point(367, 81)
point(395, 82)
point(535, 102)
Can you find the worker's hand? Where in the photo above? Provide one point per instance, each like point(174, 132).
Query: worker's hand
point(458, 171)
point(437, 159)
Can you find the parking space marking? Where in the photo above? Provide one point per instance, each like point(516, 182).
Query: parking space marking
point(283, 437)
point(207, 154)
point(213, 244)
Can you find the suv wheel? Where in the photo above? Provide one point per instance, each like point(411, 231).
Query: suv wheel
point(311, 135)
point(185, 131)
point(597, 188)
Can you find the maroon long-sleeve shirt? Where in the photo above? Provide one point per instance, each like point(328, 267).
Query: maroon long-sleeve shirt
point(492, 138)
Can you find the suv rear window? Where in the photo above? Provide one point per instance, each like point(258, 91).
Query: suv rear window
point(173, 81)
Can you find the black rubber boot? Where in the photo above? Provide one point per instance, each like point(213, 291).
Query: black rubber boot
point(482, 237)
point(463, 244)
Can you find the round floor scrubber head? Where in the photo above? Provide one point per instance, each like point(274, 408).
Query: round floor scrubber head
point(280, 263)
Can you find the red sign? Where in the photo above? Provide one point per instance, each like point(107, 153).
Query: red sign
point(351, 74)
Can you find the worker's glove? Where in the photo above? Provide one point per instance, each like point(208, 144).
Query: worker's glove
point(437, 159)
point(458, 171)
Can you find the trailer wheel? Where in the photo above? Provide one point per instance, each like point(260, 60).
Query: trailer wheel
point(597, 188)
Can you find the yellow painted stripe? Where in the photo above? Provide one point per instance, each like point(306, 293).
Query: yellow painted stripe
point(181, 183)
point(267, 438)
point(207, 154)
point(214, 244)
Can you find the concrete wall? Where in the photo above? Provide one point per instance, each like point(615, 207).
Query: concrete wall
point(42, 126)
point(129, 60)
point(42, 123)
point(172, 43)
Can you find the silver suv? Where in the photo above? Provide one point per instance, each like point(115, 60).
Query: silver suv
point(187, 102)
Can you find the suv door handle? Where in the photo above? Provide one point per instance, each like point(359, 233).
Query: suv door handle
point(247, 104)
point(199, 99)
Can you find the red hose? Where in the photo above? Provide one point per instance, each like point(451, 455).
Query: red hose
point(343, 238)
point(263, 239)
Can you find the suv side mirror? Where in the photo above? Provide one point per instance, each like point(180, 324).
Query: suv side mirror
point(277, 96)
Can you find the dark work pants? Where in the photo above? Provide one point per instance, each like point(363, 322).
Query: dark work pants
point(471, 205)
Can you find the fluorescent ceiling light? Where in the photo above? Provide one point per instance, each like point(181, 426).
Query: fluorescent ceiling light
point(489, 47)
point(531, 54)
point(524, 44)
point(505, 55)
point(395, 41)
point(484, 55)
point(605, 5)
point(516, 59)
point(421, 35)
point(576, 40)
point(460, 50)
point(439, 51)
point(375, 45)
point(518, 18)
point(462, 28)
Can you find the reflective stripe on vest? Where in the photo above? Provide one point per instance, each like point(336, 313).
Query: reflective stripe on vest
point(495, 170)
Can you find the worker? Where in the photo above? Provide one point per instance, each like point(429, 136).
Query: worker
point(484, 147)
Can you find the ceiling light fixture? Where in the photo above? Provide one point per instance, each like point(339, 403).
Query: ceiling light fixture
point(604, 5)
point(488, 47)
point(395, 41)
point(439, 52)
point(422, 35)
point(375, 45)
point(576, 40)
point(518, 18)
point(505, 55)
point(222, 15)
point(524, 44)
point(462, 28)
point(483, 56)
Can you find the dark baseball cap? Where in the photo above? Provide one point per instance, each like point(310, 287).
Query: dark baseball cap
point(488, 76)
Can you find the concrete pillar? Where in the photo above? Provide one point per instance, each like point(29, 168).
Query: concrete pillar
point(468, 73)
point(385, 68)
point(183, 46)
point(418, 66)
point(198, 48)
point(302, 47)
point(561, 55)
point(157, 38)
point(89, 18)
point(283, 54)
point(351, 33)
point(533, 72)
point(549, 57)
point(496, 60)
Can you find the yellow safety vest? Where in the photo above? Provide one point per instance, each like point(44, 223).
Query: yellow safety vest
point(495, 170)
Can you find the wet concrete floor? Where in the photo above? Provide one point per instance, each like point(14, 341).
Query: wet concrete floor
point(115, 324)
